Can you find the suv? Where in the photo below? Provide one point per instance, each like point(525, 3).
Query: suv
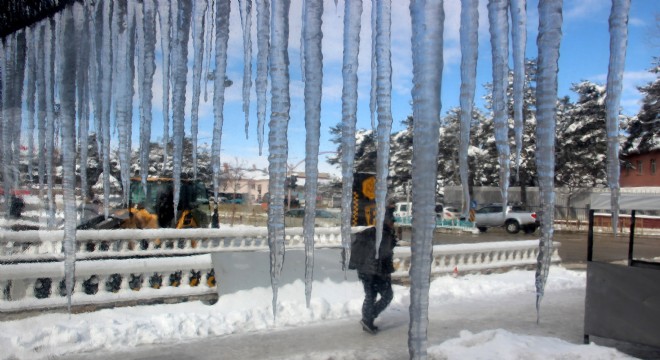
point(516, 219)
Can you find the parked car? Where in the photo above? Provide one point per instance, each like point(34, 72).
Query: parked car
point(516, 219)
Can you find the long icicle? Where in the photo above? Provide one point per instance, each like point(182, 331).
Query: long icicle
point(17, 88)
point(165, 16)
point(312, 37)
point(41, 107)
point(499, 32)
point(7, 63)
point(199, 9)
point(384, 99)
point(147, 35)
point(618, 43)
point(374, 61)
point(30, 92)
point(469, 52)
point(261, 82)
point(222, 10)
point(106, 76)
point(518, 9)
point(182, 14)
point(67, 94)
point(50, 118)
point(277, 139)
point(349, 97)
point(246, 23)
point(82, 24)
point(427, 39)
point(548, 41)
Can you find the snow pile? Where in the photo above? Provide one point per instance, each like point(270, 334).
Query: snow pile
point(248, 311)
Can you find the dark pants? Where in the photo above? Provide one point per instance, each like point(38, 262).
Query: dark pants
point(374, 285)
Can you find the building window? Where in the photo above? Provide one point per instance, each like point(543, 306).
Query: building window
point(639, 167)
point(652, 166)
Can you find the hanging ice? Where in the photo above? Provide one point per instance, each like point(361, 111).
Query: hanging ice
point(261, 83)
point(384, 99)
point(312, 37)
point(277, 139)
point(469, 52)
point(182, 15)
point(41, 107)
point(30, 92)
point(67, 93)
point(165, 16)
point(618, 43)
point(349, 97)
point(222, 11)
point(49, 72)
point(106, 79)
point(125, 18)
point(374, 84)
point(82, 26)
point(199, 9)
point(246, 23)
point(499, 30)
point(427, 38)
point(548, 41)
point(302, 41)
point(146, 69)
point(519, 37)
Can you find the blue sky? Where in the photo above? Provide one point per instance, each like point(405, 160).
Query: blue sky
point(584, 55)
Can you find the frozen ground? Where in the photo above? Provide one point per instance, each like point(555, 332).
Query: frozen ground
point(472, 316)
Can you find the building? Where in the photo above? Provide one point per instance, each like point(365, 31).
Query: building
point(640, 169)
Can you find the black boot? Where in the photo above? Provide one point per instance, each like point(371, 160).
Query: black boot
point(369, 326)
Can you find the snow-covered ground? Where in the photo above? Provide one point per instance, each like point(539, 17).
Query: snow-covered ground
point(249, 314)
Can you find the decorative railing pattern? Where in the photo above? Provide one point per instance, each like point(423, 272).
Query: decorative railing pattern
point(26, 246)
point(475, 257)
point(30, 286)
point(460, 225)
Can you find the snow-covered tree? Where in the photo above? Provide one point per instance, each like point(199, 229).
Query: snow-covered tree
point(644, 129)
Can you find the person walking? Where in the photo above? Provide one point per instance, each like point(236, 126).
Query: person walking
point(375, 274)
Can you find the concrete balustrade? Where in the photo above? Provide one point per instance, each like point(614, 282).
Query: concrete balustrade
point(27, 246)
point(30, 286)
point(475, 257)
point(27, 283)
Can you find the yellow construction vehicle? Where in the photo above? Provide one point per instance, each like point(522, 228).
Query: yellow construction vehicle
point(155, 209)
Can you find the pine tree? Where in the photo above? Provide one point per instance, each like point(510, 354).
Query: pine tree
point(644, 129)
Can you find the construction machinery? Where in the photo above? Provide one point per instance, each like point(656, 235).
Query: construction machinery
point(155, 208)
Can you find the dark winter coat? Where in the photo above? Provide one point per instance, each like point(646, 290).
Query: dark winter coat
point(363, 252)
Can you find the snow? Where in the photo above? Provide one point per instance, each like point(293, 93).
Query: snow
point(249, 311)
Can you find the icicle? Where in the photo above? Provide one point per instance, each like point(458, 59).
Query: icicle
point(30, 93)
point(548, 41)
point(164, 13)
point(519, 37)
point(374, 84)
point(125, 18)
point(302, 42)
point(147, 43)
point(222, 10)
point(6, 57)
point(17, 97)
point(68, 116)
point(277, 139)
point(499, 30)
point(198, 48)
point(95, 73)
point(50, 117)
point(106, 76)
point(427, 38)
point(209, 21)
point(261, 83)
point(349, 97)
point(82, 26)
point(384, 61)
point(469, 53)
point(618, 44)
point(41, 107)
point(246, 23)
point(179, 75)
point(312, 37)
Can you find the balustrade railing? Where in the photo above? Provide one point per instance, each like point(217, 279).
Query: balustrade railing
point(475, 257)
point(25, 246)
point(31, 286)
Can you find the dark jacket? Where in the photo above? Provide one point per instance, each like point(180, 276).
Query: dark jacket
point(363, 252)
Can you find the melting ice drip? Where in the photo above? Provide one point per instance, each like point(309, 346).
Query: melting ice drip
point(67, 82)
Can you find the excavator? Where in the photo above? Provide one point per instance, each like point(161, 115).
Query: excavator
point(155, 209)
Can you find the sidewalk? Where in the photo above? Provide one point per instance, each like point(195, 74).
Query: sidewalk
point(562, 317)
